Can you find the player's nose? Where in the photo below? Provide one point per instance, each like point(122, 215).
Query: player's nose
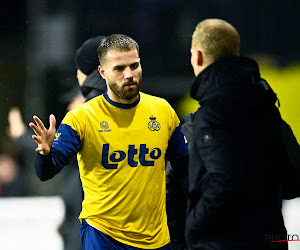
point(128, 73)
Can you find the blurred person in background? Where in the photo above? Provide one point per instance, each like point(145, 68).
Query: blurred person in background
point(91, 84)
point(236, 148)
point(87, 62)
point(129, 223)
point(70, 189)
point(11, 181)
point(20, 135)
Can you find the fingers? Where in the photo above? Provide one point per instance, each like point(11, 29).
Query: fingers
point(37, 139)
point(52, 122)
point(41, 151)
point(39, 127)
point(40, 138)
point(41, 148)
point(43, 137)
point(39, 123)
point(35, 128)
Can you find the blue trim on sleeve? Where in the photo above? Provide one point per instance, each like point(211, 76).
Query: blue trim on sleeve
point(67, 141)
point(177, 148)
point(121, 105)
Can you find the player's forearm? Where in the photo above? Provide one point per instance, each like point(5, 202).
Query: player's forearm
point(46, 167)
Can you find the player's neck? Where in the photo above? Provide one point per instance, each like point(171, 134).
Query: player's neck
point(117, 99)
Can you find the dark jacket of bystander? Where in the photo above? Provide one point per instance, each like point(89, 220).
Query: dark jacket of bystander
point(236, 160)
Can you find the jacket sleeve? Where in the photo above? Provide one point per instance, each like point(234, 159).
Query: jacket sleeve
point(217, 150)
point(291, 163)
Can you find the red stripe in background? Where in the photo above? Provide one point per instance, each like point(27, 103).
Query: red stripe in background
point(282, 241)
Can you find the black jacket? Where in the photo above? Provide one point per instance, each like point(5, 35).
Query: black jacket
point(93, 85)
point(235, 160)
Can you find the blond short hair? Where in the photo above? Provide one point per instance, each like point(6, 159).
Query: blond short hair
point(216, 38)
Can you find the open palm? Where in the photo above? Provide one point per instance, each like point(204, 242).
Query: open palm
point(43, 137)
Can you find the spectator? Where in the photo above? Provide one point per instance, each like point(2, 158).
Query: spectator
point(87, 62)
point(11, 182)
point(21, 137)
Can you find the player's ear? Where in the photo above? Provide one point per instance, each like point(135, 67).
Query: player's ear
point(199, 58)
point(102, 71)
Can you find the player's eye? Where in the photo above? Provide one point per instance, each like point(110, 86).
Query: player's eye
point(119, 68)
point(134, 66)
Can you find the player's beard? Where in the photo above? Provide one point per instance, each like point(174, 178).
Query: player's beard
point(123, 92)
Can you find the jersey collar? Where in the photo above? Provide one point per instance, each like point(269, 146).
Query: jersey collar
point(121, 105)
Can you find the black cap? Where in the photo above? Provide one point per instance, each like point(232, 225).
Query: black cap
point(86, 58)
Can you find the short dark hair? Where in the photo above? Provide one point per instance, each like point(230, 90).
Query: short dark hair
point(117, 42)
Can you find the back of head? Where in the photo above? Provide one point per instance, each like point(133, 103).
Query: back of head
point(86, 58)
point(216, 38)
point(118, 42)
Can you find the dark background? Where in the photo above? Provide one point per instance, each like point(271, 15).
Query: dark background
point(38, 40)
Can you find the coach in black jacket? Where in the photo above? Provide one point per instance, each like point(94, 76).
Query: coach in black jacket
point(236, 148)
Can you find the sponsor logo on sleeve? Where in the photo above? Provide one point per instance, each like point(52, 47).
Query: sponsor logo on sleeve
point(57, 135)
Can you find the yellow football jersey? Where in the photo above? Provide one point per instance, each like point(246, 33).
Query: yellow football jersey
point(121, 157)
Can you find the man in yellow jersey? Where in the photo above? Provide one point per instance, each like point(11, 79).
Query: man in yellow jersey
point(122, 139)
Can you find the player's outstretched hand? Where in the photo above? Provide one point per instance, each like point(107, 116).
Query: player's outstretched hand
point(43, 137)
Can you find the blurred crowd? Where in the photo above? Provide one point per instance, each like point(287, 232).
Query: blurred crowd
point(17, 177)
point(17, 173)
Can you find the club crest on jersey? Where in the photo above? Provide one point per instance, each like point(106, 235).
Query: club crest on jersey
point(153, 125)
point(104, 126)
point(57, 135)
